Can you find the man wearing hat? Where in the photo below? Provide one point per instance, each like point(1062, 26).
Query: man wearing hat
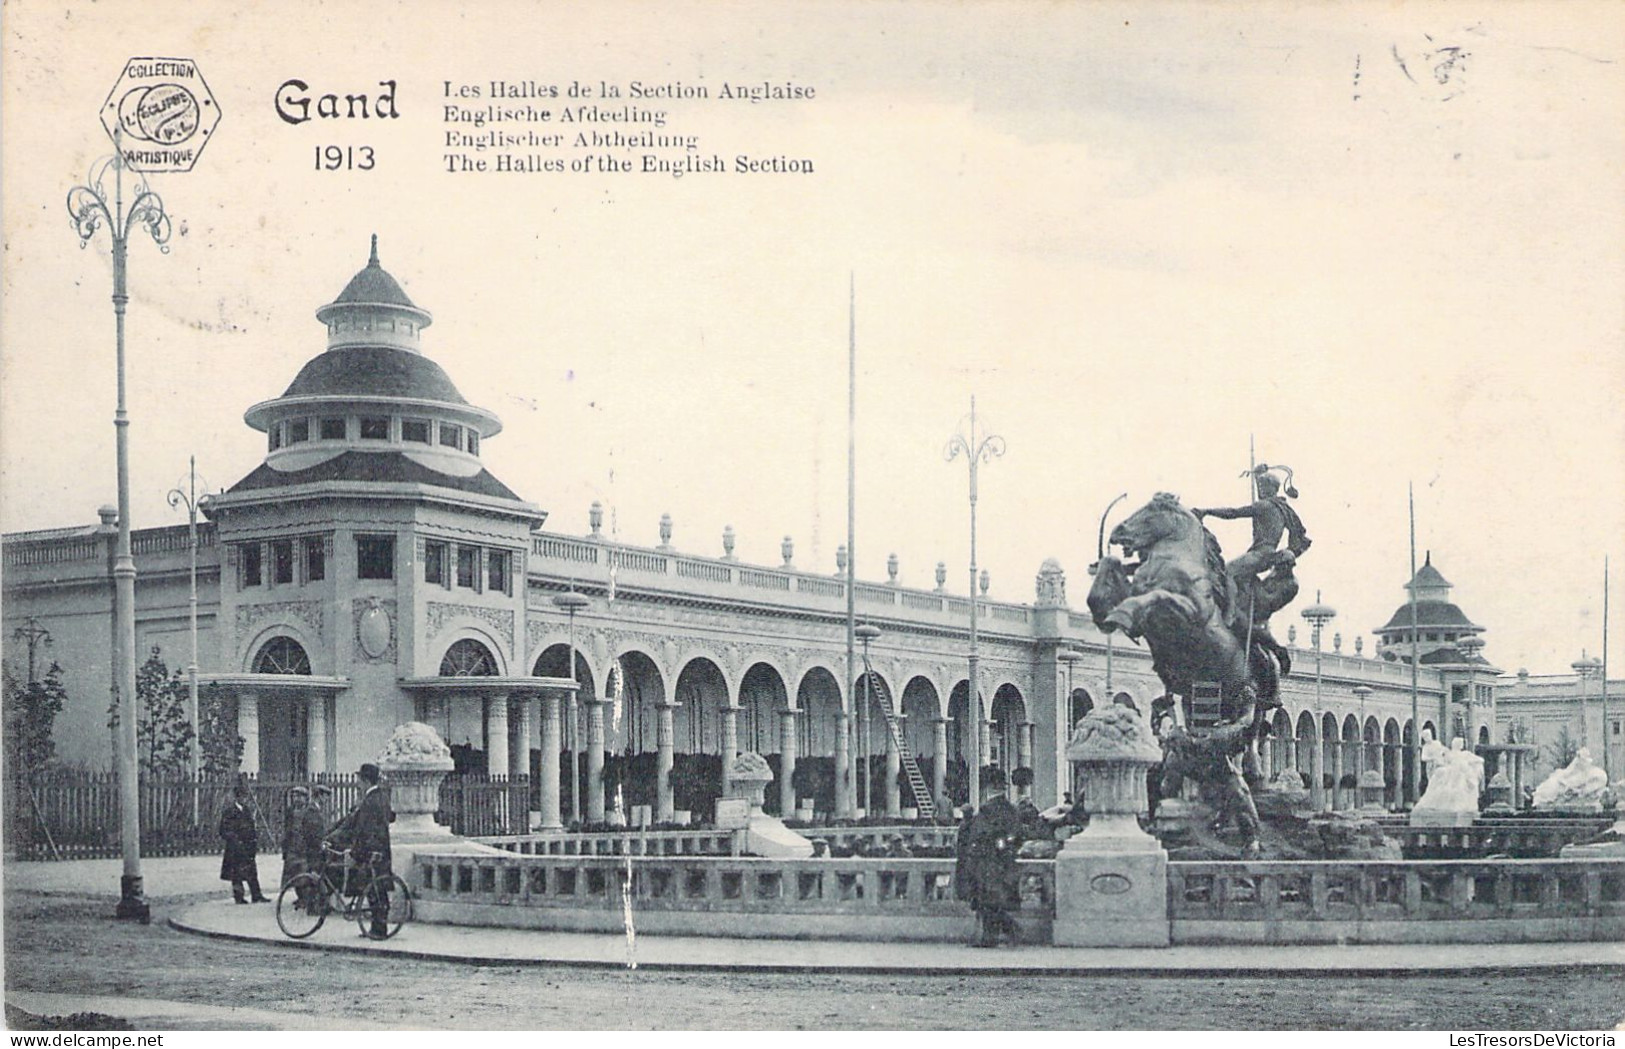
point(366, 831)
point(1272, 518)
point(985, 874)
point(302, 827)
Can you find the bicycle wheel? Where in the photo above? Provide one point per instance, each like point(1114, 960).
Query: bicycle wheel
point(398, 913)
point(302, 906)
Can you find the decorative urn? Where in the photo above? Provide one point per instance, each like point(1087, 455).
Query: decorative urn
point(414, 762)
point(748, 777)
point(1110, 751)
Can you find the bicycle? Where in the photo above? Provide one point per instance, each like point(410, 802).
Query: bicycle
point(307, 900)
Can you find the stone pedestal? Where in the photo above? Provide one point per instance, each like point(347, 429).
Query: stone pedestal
point(1111, 880)
point(1373, 792)
point(414, 763)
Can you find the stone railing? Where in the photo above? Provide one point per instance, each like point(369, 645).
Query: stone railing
point(22, 551)
point(867, 898)
point(877, 839)
point(627, 843)
point(1442, 901)
point(591, 559)
point(1520, 838)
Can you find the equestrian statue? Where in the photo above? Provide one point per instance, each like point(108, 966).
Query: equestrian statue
point(1206, 624)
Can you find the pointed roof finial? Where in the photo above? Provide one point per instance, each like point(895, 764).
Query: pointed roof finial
point(373, 259)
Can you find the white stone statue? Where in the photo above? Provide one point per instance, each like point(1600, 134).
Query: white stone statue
point(1455, 781)
point(1578, 786)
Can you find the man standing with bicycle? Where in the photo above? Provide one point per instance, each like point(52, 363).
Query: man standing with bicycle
point(366, 831)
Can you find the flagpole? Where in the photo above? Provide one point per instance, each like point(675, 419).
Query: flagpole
point(1606, 762)
point(1416, 712)
point(851, 514)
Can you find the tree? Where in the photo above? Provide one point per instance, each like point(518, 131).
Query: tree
point(220, 748)
point(30, 717)
point(163, 732)
point(1563, 747)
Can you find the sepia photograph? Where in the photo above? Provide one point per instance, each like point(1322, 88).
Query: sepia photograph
point(917, 516)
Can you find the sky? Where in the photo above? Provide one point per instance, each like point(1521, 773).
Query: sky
point(1379, 243)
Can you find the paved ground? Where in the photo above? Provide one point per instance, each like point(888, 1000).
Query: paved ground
point(64, 955)
point(224, 919)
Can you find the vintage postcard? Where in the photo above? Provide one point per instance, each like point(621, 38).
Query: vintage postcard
point(954, 515)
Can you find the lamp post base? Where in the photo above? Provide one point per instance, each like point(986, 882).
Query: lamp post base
point(132, 904)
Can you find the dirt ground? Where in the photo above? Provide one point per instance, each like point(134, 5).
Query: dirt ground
point(72, 945)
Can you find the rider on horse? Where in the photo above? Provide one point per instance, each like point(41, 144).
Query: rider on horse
point(1272, 517)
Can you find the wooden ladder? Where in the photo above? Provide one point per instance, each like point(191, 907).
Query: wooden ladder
point(911, 768)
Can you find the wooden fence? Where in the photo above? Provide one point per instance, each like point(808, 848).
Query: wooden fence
point(74, 815)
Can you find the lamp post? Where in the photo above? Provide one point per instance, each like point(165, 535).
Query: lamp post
point(865, 633)
point(1318, 615)
point(1586, 667)
point(572, 602)
point(1070, 657)
point(976, 449)
point(33, 635)
point(89, 210)
point(190, 498)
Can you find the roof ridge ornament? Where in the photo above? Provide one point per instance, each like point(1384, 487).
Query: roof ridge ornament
point(372, 260)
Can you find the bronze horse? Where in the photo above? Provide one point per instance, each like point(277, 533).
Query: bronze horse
point(1182, 601)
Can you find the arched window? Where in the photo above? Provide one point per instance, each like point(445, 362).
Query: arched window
point(468, 658)
point(282, 655)
point(1082, 703)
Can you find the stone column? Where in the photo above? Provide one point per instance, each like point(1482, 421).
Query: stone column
point(521, 729)
point(985, 750)
point(1289, 752)
point(894, 765)
point(248, 727)
point(496, 734)
point(1337, 774)
point(595, 760)
point(316, 735)
point(730, 740)
point(572, 707)
point(939, 762)
point(1024, 751)
point(787, 763)
point(665, 736)
point(551, 818)
point(1317, 773)
point(843, 768)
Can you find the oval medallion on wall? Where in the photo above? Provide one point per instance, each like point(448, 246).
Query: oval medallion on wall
point(1110, 884)
point(374, 632)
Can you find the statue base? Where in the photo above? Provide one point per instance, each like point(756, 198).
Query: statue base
point(768, 836)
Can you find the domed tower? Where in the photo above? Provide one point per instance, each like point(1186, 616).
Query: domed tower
point(371, 555)
point(374, 393)
point(1440, 625)
point(1452, 644)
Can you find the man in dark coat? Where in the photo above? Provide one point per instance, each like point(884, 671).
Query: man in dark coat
point(985, 874)
point(366, 831)
point(238, 865)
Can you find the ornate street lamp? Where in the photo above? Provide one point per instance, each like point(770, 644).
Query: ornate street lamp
point(1318, 615)
point(33, 635)
point(189, 497)
point(977, 449)
point(89, 209)
point(866, 634)
point(572, 602)
point(1586, 667)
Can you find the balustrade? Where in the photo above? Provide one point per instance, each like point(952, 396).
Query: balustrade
point(1403, 901)
point(712, 887)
